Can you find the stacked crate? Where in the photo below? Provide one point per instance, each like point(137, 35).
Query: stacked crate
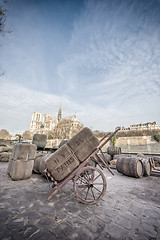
point(61, 163)
point(22, 160)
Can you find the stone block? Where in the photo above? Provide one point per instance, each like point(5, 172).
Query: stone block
point(5, 148)
point(24, 152)
point(10, 165)
point(4, 142)
point(20, 170)
point(40, 140)
point(5, 156)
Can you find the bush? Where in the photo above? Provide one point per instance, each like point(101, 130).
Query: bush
point(157, 137)
point(113, 140)
point(50, 137)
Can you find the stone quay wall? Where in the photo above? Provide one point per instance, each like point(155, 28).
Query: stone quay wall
point(139, 144)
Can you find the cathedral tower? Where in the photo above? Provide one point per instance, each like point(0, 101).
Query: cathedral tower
point(59, 113)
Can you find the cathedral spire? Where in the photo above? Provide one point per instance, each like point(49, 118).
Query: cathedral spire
point(59, 113)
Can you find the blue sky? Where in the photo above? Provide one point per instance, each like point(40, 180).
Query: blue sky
point(99, 58)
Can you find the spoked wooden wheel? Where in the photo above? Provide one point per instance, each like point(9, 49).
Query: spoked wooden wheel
point(89, 185)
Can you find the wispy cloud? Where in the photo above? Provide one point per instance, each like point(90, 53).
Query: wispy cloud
point(115, 57)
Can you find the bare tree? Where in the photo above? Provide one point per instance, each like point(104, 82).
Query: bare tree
point(2, 18)
point(2, 24)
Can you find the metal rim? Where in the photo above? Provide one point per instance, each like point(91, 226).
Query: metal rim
point(89, 185)
point(147, 169)
point(139, 168)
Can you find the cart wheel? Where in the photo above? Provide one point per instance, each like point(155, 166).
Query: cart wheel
point(89, 185)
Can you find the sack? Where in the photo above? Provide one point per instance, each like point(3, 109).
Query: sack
point(83, 144)
point(61, 163)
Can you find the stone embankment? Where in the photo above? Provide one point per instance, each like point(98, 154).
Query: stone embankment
point(139, 144)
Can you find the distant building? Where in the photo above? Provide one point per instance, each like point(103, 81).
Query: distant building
point(36, 121)
point(59, 113)
point(141, 126)
point(144, 126)
point(39, 121)
point(67, 127)
point(49, 122)
point(56, 128)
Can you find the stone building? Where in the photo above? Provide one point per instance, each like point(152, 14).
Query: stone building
point(144, 126)
point(36, 121)
point(49, 122)
point(141, 126)
point(42, 123)
point(55, 128)
point(67, 127)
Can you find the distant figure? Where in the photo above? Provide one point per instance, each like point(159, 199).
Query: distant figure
point(19, 137)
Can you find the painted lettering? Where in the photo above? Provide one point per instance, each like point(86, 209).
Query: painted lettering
point(71, 159)
point(60, 169)
point(79, 141)
point(56, 161)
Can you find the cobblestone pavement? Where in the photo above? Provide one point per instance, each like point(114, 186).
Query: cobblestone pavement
point(130, 209)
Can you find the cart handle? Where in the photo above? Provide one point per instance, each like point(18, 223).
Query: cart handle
point(116, 130)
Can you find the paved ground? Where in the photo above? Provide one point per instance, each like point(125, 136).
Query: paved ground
point(130, 209)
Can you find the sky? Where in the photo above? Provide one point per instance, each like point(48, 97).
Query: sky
point(99, 58)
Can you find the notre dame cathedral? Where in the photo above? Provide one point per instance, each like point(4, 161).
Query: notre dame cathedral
point(55, 128)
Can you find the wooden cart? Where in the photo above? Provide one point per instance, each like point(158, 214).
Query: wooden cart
point(89, 182)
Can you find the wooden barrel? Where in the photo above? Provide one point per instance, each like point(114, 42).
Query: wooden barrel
point(122, 155)
point(146, 164)
point(36, 161)
point(106, 157)
point(42, 163)
point(130, 166)
point(147, 167)
point(113, 150)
